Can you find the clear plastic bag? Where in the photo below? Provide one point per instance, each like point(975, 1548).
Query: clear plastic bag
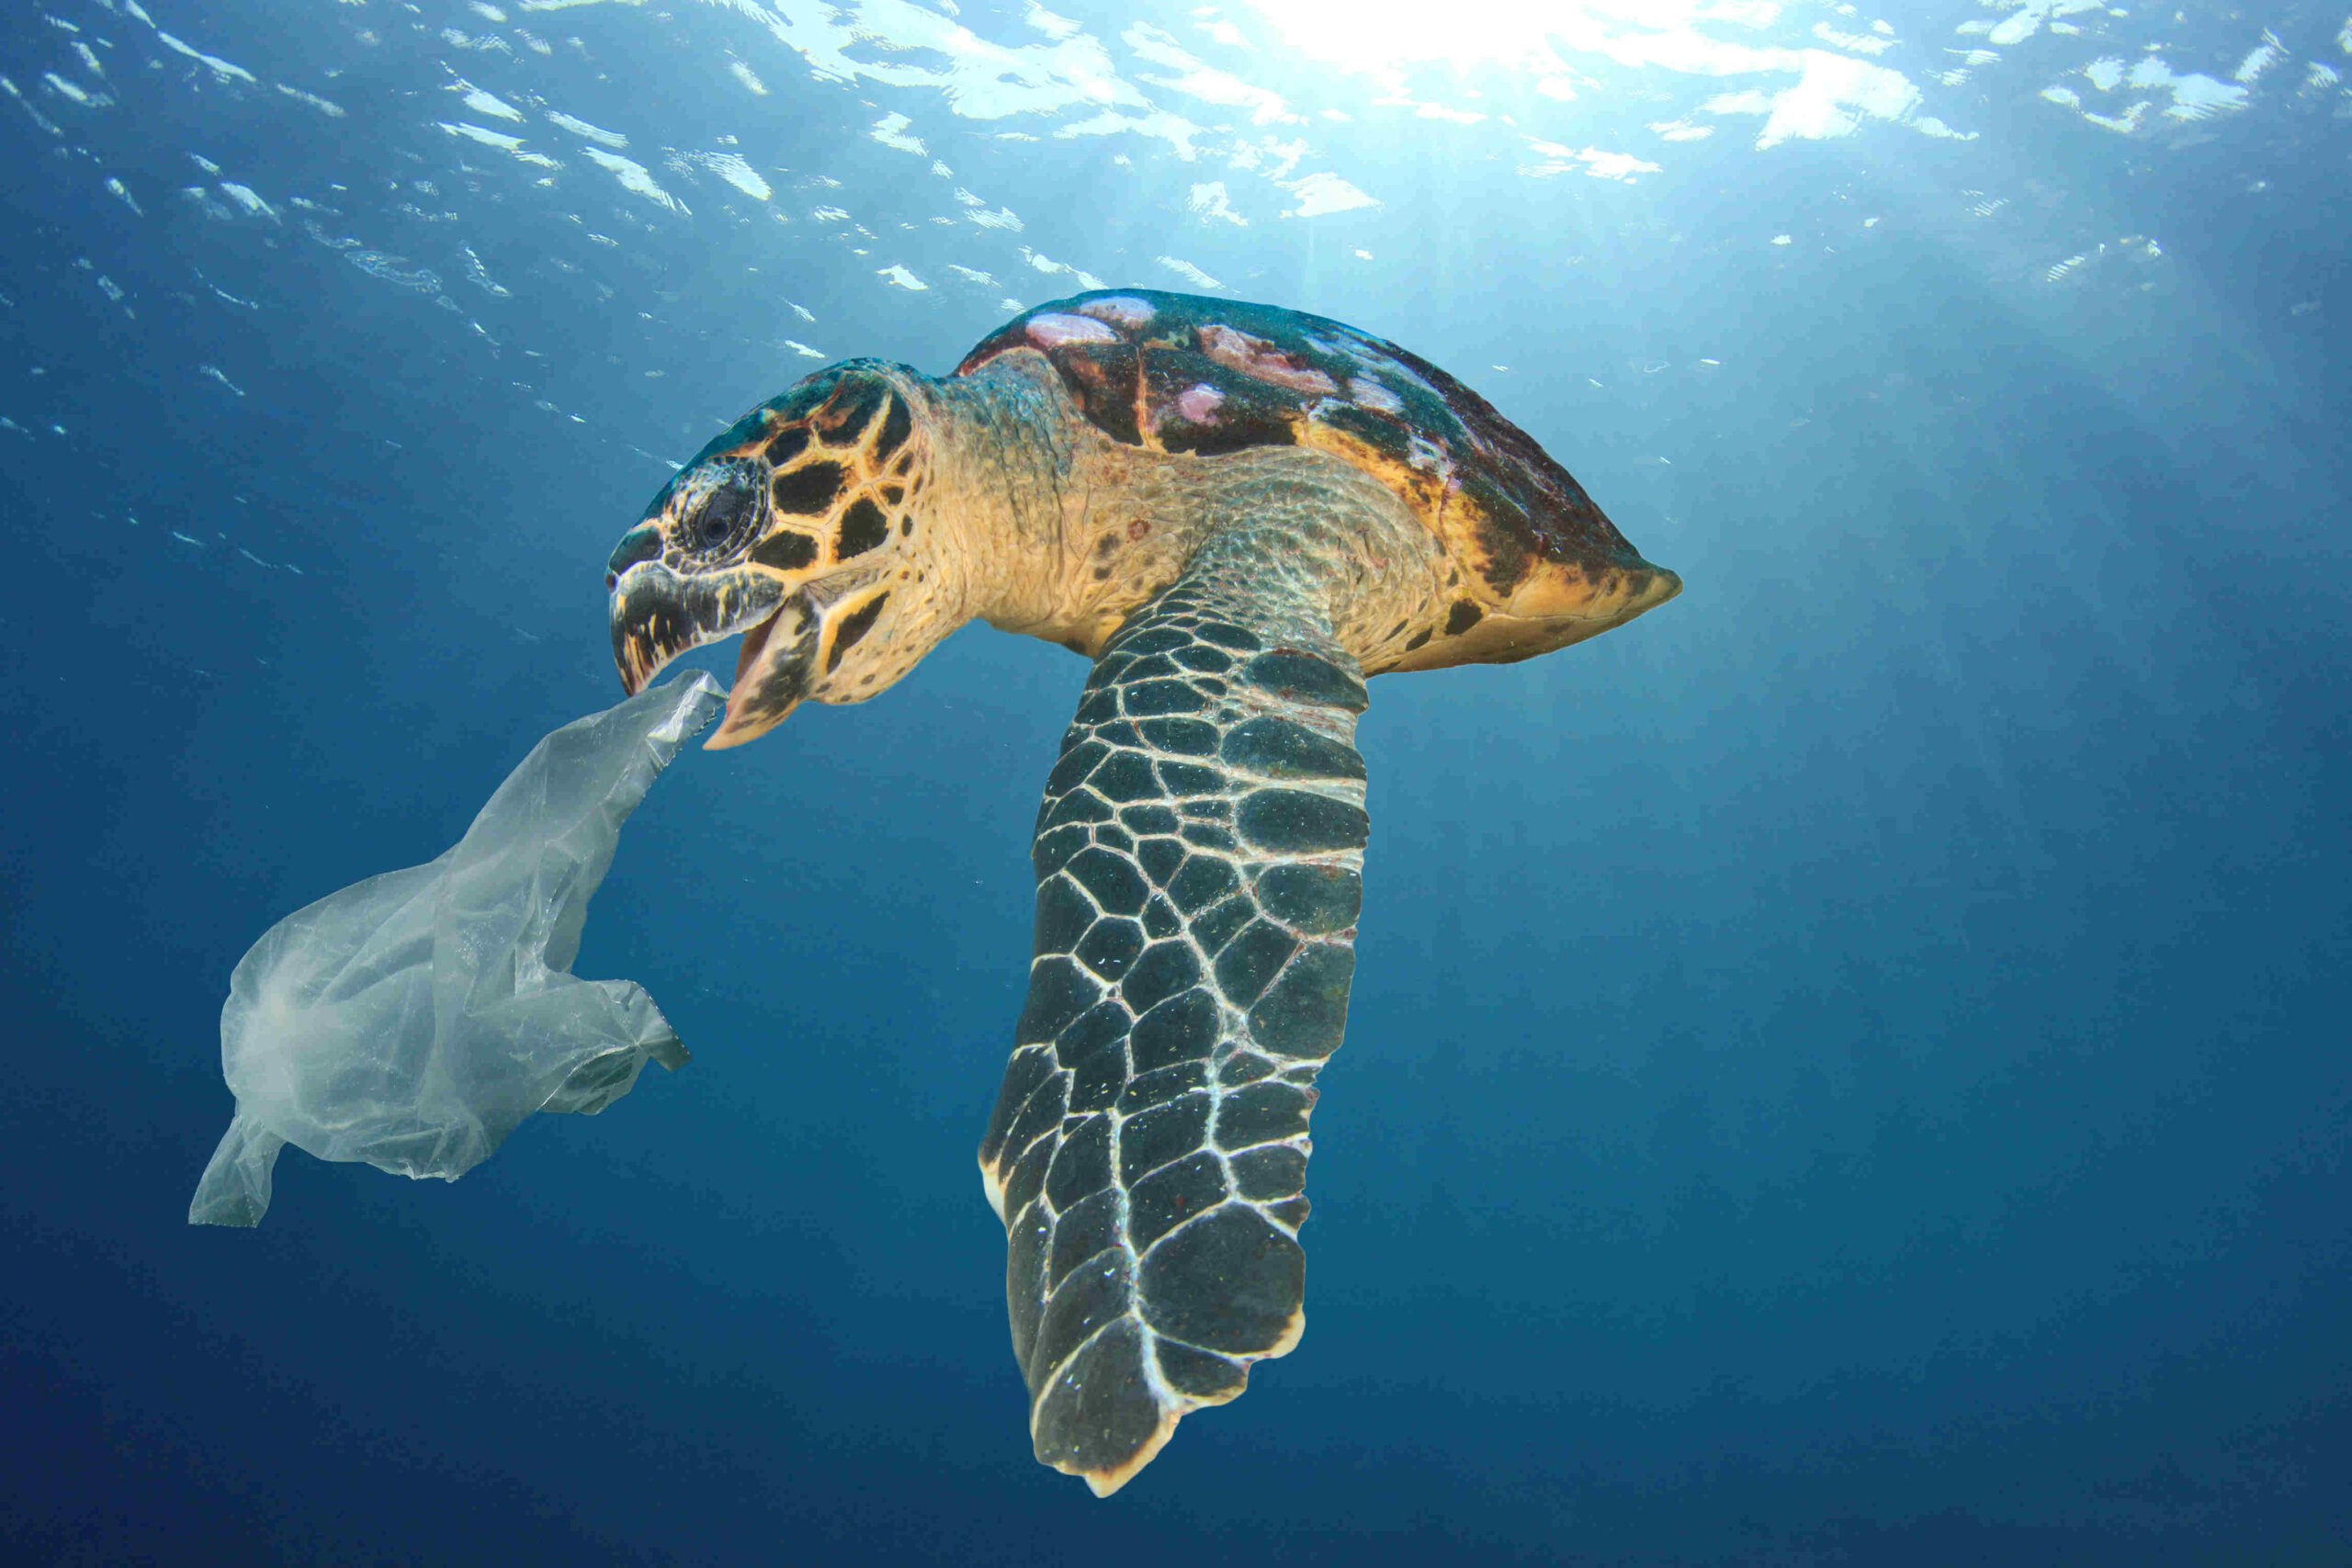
point(414, 1020)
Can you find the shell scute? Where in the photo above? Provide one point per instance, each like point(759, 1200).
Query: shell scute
point(1373, 395)
point(1054, 330)
point(1262, 360)
point(1207, 414)
point(1125, 309)
point(1105, 380)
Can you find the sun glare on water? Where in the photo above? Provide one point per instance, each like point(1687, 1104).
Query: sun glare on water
point(1539, 36)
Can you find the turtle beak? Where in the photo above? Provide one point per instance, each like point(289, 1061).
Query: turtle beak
point(658, 614)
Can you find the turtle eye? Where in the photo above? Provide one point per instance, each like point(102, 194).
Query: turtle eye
point(722, 517)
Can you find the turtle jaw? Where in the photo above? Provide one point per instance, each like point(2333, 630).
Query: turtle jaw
point(658, 614)
point(775, 669)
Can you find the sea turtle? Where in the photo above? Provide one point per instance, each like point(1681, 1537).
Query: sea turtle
point(1237, 511)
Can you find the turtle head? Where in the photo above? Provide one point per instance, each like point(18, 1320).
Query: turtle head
point(799, 528)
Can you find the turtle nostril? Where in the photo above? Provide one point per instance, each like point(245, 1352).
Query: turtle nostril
point(612, 580)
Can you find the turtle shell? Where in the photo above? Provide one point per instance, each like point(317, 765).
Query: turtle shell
point(1179, 373)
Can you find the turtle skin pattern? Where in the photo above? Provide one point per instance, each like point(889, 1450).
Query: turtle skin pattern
point(1198, 857)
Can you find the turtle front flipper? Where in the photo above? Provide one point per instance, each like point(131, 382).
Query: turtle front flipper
point(1198, 856)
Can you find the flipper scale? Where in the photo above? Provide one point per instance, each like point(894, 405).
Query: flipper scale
point(1198, 853)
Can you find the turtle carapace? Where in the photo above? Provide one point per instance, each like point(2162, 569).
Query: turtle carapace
point(1237, 513)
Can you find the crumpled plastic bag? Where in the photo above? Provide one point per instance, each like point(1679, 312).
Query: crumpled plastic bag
point(414, 1020)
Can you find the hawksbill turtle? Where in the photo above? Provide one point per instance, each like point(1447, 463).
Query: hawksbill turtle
point(1238, 512)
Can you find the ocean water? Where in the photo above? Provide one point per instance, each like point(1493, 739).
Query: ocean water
point(1850, 1068)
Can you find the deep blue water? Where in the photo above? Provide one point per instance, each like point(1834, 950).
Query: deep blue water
point(1851, 1068)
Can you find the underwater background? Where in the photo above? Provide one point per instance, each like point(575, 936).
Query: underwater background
point(1851, 1068)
